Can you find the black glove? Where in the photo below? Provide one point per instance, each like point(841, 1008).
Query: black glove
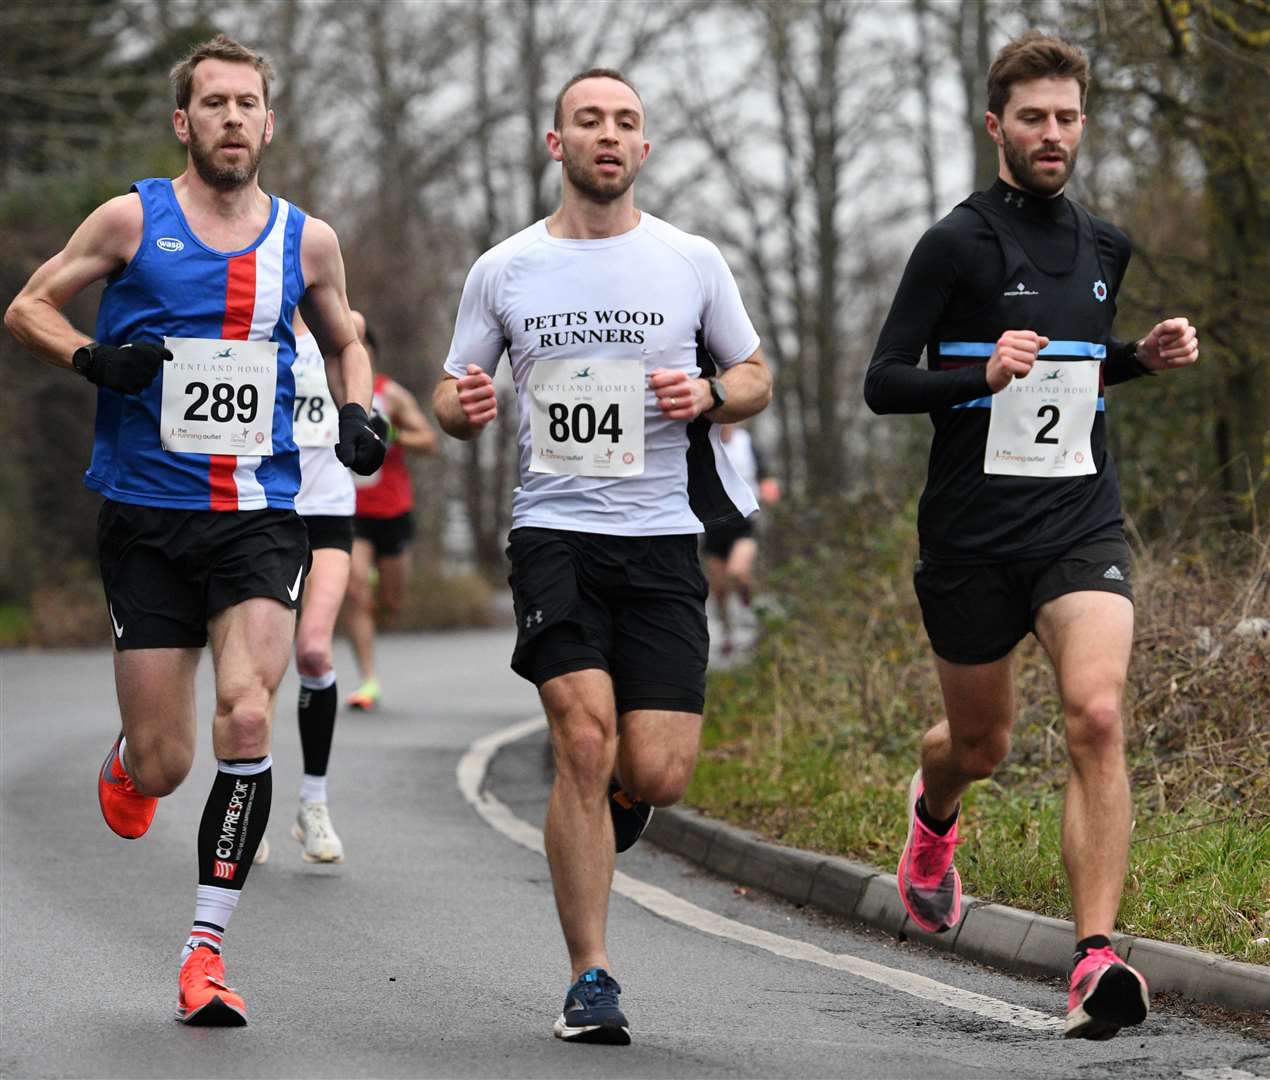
point(127, 368)
point(382, 426)
point(359, 448)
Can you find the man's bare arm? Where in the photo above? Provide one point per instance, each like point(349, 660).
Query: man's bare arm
point(105, 242)
point(747, 387)
point(463, 407)
point(413, 430)
point(325, 309)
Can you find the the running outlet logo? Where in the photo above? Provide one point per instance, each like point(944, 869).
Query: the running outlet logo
point(1100, 291)
point(229, 844)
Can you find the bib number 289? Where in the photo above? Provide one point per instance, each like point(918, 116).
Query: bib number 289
point(579, 424)
point(226, 403)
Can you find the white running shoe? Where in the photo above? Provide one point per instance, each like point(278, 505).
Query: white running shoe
point(314, 830)
point(262, 852)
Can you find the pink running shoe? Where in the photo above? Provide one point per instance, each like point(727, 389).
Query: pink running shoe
point(929, 884)
point(1106, 995)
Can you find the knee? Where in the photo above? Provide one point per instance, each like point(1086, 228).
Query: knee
point(244, 724)
point(313, 658)
point(1095, 729)
point(585, 750)
point(978, 758)
point(157, 768)
point(660, 785)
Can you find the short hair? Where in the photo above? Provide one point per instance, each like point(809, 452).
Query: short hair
point(1035, 55)
point(591, 73)
point(220, 47)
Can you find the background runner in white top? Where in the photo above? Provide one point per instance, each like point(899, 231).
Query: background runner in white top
point(645, 294)
point(326, 486)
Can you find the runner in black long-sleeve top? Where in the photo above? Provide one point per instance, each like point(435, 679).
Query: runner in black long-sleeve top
point(1012, 298)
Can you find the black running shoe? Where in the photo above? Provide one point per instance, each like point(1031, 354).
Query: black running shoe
point(591, 1013)
point(630, 817)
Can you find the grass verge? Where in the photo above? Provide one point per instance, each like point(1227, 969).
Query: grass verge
point(813, 743)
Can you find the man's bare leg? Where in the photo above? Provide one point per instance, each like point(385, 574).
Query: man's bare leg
point(1089, 636)
point(359, 619)
point(657, 753)
point(975, 737)
point(578, 833)
point(155, 688)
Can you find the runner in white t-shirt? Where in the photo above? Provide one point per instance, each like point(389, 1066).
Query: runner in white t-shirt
point(325, 502)
point(627, 339)
point(730, 547)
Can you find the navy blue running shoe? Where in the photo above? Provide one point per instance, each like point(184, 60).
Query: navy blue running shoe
point(591, 1013)
point(630, 817)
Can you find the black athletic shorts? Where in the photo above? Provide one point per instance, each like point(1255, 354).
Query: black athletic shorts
point(390, 536)
point(720, 539)
point(329, 531)
point(634, 606)
point(976, 614)
point(166, 572)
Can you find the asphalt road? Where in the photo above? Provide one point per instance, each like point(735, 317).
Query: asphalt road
point(434, 950)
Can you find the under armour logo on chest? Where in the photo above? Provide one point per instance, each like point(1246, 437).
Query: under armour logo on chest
point(536, 617)
point(1011, 199)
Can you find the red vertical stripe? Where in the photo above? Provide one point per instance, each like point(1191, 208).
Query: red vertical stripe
point(240, 306)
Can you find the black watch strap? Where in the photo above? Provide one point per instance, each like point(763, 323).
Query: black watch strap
point(716, 392)
point(82, 358)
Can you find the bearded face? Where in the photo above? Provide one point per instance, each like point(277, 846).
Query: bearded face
point(1042, 172)
point(600, 175)
point(228, 163)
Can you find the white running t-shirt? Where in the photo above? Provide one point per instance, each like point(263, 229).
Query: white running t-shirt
point(326, 486)
point(648, 295)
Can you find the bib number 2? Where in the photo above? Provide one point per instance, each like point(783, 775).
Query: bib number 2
point(1041, 425)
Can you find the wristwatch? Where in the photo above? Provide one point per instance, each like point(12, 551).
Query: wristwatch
point(82, 358)
point(718, 393)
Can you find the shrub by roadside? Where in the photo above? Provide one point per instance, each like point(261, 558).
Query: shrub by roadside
point(813, 743)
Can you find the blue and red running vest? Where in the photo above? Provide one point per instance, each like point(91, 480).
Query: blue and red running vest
point(176, 286)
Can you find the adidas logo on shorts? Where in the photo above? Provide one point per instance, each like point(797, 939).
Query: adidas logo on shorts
point(1113, 574)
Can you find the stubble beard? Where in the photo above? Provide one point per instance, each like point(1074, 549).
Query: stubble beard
point(224, 177)
point(1025, 175)
point(592, 187)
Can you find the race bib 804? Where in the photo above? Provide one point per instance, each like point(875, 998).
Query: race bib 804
point(587, 417)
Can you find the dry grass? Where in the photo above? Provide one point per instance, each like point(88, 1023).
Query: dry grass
point(814, 742)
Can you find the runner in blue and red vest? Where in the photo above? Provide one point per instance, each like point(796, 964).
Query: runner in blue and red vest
point(198, 536)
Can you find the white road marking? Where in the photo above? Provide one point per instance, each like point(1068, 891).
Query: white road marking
point(471, 774)
point(1221, 1072)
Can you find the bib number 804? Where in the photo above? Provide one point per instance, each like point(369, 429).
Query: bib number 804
point(225, 402)
point(580, 424)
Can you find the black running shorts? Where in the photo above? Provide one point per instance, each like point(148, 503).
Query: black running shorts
point(390, 536)
point(720, 539)
point(329, 531)
point(166, 572)
point(976, 614)
point(634, 606)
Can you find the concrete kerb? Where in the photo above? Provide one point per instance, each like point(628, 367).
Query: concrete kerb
point(991, 934)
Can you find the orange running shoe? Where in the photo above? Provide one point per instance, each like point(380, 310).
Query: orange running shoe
point(125, 809)
point(365, 697)
point(205, 999)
